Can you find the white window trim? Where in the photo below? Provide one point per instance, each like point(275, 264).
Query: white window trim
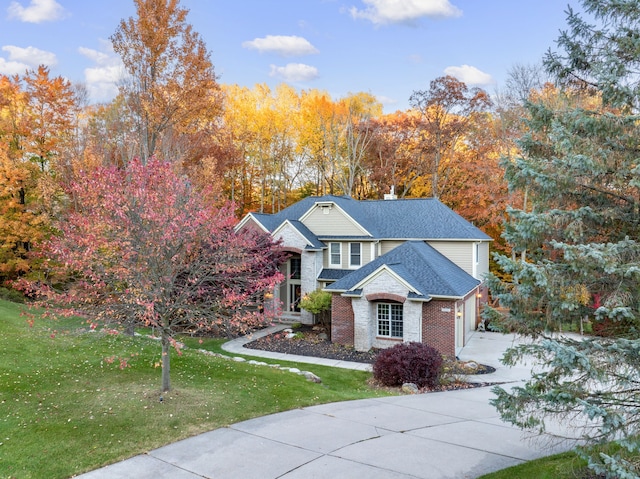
point(339, 263)
point(390, 320)
point(351, 265)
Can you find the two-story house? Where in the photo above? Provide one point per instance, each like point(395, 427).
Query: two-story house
point(398, 269)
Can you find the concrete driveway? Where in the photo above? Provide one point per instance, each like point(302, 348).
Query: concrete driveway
point(454, 434)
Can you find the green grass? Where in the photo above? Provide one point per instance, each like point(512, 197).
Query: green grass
point(566, 465)
point(67, 407)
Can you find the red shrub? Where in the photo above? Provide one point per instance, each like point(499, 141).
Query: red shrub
point(408, 363)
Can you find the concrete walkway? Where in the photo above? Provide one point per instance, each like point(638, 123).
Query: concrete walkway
point(454, 434)
point(237, 347)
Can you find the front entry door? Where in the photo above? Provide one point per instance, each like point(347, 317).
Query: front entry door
point(295, 294)
point(292, 293)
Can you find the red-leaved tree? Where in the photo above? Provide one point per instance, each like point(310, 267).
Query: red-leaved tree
point(140, 247)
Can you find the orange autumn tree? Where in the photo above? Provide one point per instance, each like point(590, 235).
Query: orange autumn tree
point(19, 226)
point(37, 114)
point(445, 111)
point(51, 117)
point(170, 87)
point(474, 185)
point(393, 156)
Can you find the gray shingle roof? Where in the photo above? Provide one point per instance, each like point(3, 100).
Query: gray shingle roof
point(424, 268)
point(328, 274)
point(309, 236)
point(425, 218)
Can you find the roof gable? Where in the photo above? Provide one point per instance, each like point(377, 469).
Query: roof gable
point(429, 273)
point(406, 280)
point(326, 218)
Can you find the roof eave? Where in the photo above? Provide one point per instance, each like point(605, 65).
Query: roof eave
point(420, 300)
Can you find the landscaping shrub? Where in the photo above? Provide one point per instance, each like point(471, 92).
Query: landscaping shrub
point(318, 302)
point(408, 363)
point(11, 295)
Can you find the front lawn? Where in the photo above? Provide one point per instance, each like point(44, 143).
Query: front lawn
point(67, 407)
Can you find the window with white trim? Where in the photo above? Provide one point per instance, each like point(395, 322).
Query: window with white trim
point(355, 254)
point(335, 256)
point(390, 320)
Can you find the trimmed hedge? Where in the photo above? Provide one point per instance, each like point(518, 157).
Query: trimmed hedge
point(408, 363)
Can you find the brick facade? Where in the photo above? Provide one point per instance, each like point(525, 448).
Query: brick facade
point(342, 330)
point(439, 327)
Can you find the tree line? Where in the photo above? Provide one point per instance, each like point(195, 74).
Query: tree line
point(260, 148)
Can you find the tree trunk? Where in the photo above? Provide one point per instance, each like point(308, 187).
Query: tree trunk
point(166, 365)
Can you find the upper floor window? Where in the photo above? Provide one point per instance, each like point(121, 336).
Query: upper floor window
point(335, 258)
point(355, 254)
point(477, 252)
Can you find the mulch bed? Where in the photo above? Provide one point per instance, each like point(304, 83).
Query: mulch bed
point(309, 342)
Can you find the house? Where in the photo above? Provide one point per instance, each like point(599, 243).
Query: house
point(398, 269)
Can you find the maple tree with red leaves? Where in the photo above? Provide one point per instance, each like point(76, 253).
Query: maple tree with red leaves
point(140, 247)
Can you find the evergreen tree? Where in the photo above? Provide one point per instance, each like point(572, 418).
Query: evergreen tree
point(577, 242)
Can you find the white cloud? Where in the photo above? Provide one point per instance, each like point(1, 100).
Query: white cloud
point(404, 11)
point(38, 11)
point(386, 101)
point(469, 75)
point(22, 59)
point(31, 56)
point(294, 72)
point(12, 68)
point(102, 79)
point(284, 45)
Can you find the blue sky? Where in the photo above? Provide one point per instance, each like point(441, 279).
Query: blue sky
point(388, 48)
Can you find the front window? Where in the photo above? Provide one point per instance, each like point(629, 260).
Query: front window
point(355, 256)
point(390, 320)
point(334, 253)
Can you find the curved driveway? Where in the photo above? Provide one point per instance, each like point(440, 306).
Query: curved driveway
point(454, 434)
